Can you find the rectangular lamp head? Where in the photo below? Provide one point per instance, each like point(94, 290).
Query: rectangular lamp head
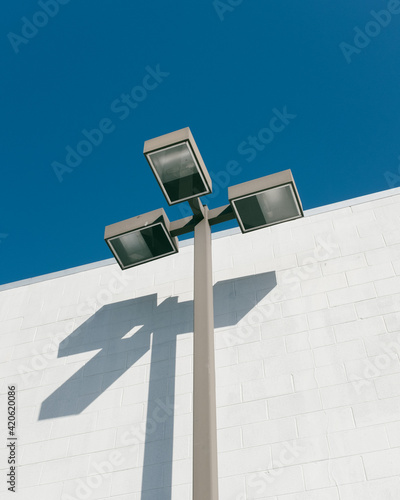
point(141, 239)
point(265, 201)
point(178, 166)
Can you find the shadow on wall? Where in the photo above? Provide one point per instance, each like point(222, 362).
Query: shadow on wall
point(157, 328)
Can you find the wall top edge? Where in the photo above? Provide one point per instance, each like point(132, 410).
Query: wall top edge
point(220, 234)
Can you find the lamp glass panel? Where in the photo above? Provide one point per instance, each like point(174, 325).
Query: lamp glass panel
point(142, 245)
point(269, 207)
point(178, 172)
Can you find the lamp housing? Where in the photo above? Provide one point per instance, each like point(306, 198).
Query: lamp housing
point(141, 239)
point(177, 165)
point(266, 201)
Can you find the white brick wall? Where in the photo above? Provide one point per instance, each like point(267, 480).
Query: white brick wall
point(307, 341)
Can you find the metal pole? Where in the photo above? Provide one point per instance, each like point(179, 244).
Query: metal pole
point(205, 466)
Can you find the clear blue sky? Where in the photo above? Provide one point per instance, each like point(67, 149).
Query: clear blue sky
point(222, 71)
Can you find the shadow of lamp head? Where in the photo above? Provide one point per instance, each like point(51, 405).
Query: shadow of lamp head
point(106, 329)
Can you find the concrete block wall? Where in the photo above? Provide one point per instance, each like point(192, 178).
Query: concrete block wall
point(307, 337)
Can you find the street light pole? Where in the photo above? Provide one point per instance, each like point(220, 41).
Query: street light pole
point(182, 175)
point(205, 466)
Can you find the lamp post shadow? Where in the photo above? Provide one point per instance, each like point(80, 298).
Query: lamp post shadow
point(108, 331)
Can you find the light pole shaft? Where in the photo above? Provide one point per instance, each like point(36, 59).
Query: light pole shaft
point(205, 466)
